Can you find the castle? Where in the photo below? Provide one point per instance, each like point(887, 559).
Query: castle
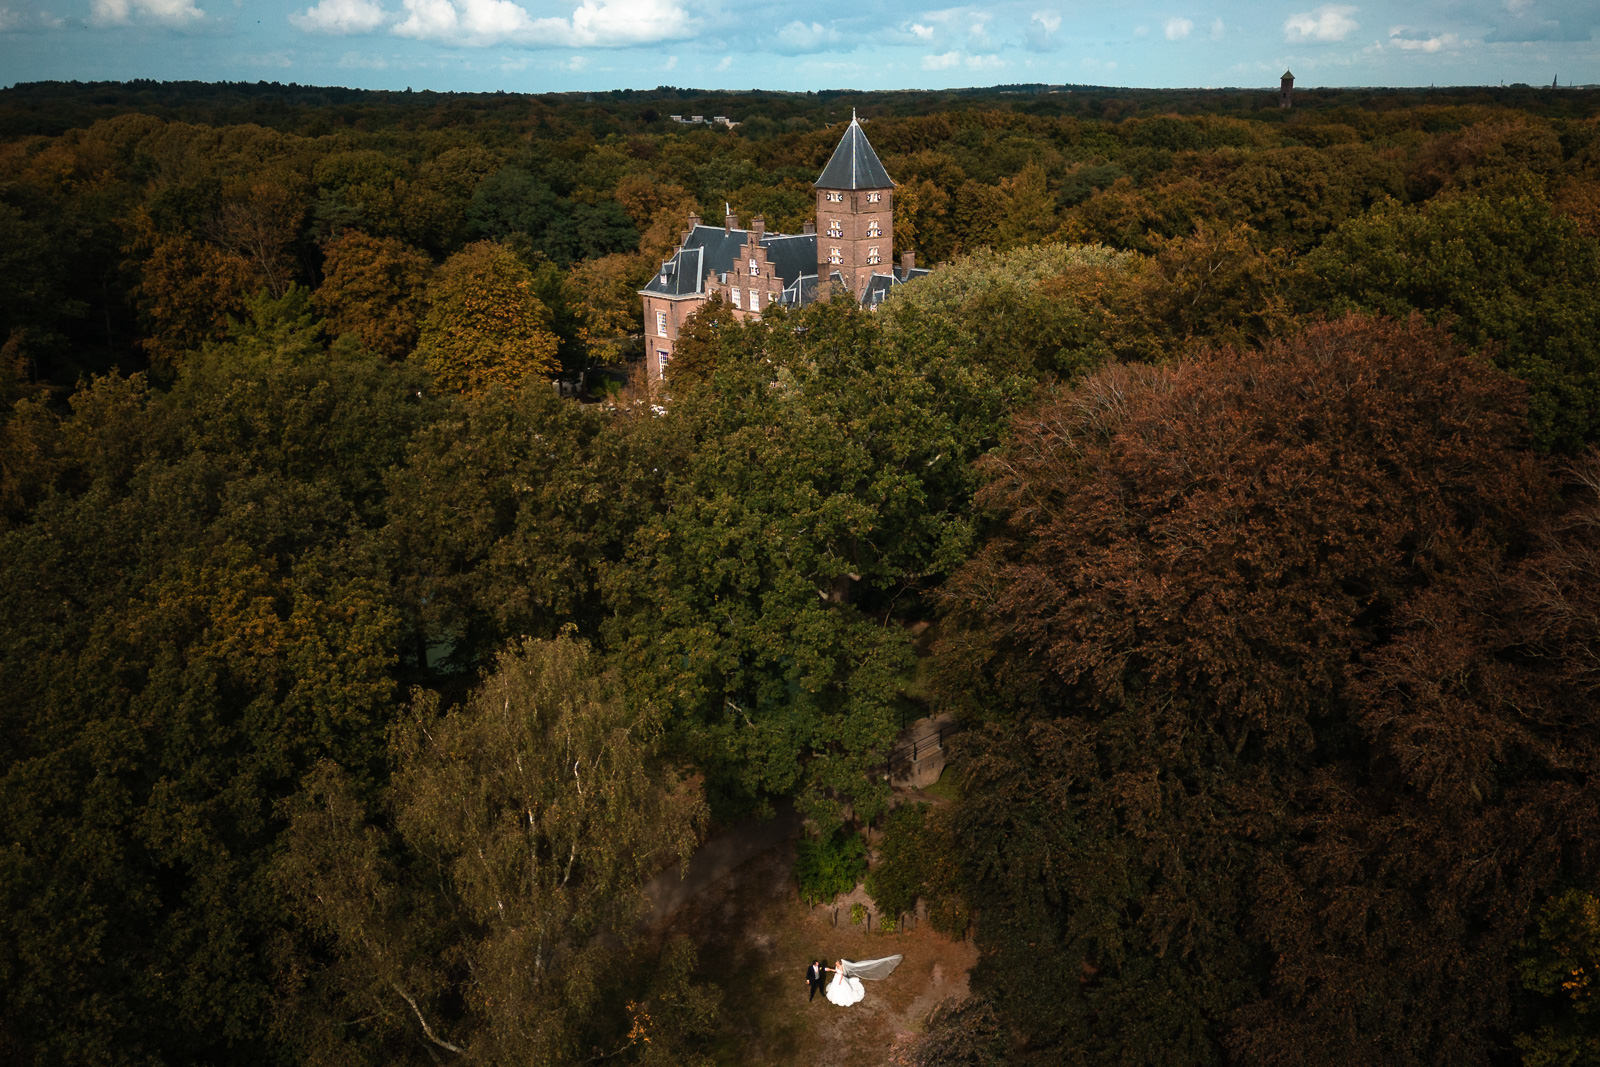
point(849, 246)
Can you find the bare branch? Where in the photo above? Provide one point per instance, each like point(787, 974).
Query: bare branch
point(426, 1029)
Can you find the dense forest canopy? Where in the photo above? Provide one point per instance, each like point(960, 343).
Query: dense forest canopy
point(1232, 483)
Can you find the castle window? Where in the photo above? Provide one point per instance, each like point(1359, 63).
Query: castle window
point(736, 297)
point(872, 254)
point(872, 228)
point(755, 270)
point(834, 256)
point(755, 300)
point(661, 324)
point(836, 198)
point(834, 229)
point(663, 357)
point(873, 198)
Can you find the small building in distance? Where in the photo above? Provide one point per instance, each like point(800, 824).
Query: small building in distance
point(1286, 90)
point(848, 246)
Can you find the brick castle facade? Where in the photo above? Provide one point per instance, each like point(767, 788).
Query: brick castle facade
point(849, 246)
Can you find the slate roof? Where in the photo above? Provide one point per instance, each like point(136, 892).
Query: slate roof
point(714, 249)
point(879, 285)
point(854, 164)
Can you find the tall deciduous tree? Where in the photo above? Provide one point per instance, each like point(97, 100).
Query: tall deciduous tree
point(797, 518)
point(524, 825)
point(1246, 796)
point(485, 325)
point(372, 292)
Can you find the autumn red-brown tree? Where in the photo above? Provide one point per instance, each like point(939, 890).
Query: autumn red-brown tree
point(1254, 787)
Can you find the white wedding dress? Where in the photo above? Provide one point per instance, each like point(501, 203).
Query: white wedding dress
point(846, 989)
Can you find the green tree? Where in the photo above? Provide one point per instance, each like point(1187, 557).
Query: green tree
point(1507, 273)
point(196, 623)
point(1562, 968)
point(797, 518)
point(501, 520)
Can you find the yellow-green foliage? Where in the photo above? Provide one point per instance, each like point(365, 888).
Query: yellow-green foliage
point(484, 324)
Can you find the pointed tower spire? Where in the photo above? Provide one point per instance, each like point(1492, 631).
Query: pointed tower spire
point(855, 213)
point(854, 164)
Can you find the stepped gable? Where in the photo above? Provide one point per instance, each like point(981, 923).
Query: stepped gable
point(854, 164)
point(714, 250)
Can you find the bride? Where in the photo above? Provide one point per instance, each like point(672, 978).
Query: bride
point(845, 989)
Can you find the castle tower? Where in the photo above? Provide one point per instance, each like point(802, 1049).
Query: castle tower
point(1286, 90)
point(855, 213)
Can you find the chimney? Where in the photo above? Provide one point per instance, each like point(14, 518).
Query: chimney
point(808, 228)
point(908, 263)
point(694, 220)
point(730, 221)
point(759, 225)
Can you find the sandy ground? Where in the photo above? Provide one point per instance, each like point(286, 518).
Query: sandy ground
point(740, 906)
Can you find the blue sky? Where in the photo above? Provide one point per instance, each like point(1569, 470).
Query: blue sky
point(561, 45)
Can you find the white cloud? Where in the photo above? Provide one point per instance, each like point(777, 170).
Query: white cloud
point(725, 63)
point(594, 24)
point(1041, 33)
point(1217, 29)
point(1401, 37)
point(800, 36)
point(122, 12)
point(952, 60)
point(921, 32)
point(363, 61)
point(615, 23)
point(22, 21)
point(272, 60)
point(670, 64)
point(1178, 29)
point(341, 16)
point(1331, 22)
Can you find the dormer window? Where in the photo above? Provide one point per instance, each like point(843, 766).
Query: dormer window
point(872, 228)
point(873, 198)
point(834, 229)
point(835, 198)
point(834, 256)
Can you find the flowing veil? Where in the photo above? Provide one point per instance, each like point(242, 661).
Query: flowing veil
point(871, 970)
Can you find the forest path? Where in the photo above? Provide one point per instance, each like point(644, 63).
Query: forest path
point(739, 905)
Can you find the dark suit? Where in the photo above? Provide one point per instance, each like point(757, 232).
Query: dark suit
point(814, 980)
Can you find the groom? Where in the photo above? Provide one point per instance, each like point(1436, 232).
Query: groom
point(814, 979)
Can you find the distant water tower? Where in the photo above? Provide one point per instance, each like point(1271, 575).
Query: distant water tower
point(1286, 90)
